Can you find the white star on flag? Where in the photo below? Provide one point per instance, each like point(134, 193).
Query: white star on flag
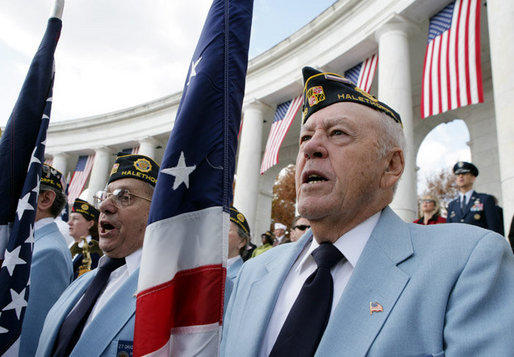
point(181, 172)
point(30, 238)
point(193, 70)
point(12, 259)
point(24, 205)
point(33, 159)
point(36, 188)
point(18, 302)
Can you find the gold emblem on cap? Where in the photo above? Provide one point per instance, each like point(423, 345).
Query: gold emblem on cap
point(84, 206)
point(476, 216)
point(114, 168)
point(240, 217)
point(143, 165)
point(315, 95)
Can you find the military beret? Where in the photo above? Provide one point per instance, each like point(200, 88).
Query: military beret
point(83, 207)
point(463, 167)
point(139, 167)
point(51, 177)
point(239, 219)
point(323, 89)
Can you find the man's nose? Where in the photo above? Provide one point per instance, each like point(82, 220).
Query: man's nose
point(315, 147)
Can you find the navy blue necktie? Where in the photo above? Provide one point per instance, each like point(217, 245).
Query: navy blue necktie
point(463, 203)
point(306, 322)
point(73, 325)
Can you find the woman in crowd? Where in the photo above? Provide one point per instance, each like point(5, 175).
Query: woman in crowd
point(267, 243)
point(429, 211)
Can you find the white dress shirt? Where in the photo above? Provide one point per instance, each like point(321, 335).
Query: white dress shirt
point(116, 280)
point(232, 260)
point(43, 222)
point(350, 244)
point(467, 195)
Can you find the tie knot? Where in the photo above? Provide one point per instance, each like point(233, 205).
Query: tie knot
point(327, 255)
point(111, 264)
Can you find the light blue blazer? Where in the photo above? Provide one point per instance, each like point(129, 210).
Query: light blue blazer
point(446, 290)
point(51, 272)
point(108, 333)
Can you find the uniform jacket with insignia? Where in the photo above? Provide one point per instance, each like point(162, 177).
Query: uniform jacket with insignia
point(445, 289)
point(479, 211)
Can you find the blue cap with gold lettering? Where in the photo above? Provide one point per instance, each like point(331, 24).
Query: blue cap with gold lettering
point(323, 89)
point(139, 167)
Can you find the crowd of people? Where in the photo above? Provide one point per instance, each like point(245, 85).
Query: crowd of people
point(346, 277)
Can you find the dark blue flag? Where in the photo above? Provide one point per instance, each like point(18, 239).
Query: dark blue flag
point(22, 149)
point(180, 299)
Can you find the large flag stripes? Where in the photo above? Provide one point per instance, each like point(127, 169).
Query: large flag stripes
point(181, 283)
point(22, 149)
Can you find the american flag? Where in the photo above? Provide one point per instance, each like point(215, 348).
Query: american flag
point(362, 74)
point(452, 74)
point(79, 177)
point(179, 305)
point(282, 121)
point(22, 150)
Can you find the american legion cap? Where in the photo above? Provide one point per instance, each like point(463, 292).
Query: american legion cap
point(323, 89)
point(85, 209)
point(51, 177)
point(139, 167)
point(239, 219)
point(463, 167)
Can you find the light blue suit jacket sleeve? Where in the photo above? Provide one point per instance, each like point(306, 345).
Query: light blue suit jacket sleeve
point(446, 290)
point(51, 272)
point(109, 331)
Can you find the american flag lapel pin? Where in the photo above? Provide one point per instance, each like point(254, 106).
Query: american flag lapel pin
point(375, 307)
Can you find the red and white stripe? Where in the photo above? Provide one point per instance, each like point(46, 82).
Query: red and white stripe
point(452, 75)
point(367, 73)
point(79, 179)
point(277, 134)
point(183, 266)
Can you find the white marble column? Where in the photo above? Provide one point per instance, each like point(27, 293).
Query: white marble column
point(500, 14)
point(394, 89)
point(60, 162)
point(249, 162)
point(99, 172)
point(147, 146)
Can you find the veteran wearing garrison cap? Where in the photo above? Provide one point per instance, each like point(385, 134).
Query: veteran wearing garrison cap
point(51, 268)
point(238, 238)
point(83, 228)
point(471, 207)
point(95, 316)
point(361, 281)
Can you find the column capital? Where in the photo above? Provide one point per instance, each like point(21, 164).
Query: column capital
point(102, 148)
point(397, 23)
point(149, 140)
point(63, 155)
point(257, 105)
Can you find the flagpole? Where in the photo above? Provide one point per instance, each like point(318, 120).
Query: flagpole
point(57, 9)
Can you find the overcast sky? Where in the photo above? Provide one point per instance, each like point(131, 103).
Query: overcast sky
point(115, 54)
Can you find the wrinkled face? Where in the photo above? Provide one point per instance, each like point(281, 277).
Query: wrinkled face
point(122, 229)
point(296, 232)
point(279, 232)
point(79, 226)
point(465, 181)
point(338, 168)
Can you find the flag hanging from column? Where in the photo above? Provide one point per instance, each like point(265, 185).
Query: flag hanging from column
point(284, 116)
point(179, 305)
point(22, 151)
point(80, 176)
point(362, 75)
point(452, 74)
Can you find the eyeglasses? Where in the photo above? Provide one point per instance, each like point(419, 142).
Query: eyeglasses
point(120, 196)
point(302, 227)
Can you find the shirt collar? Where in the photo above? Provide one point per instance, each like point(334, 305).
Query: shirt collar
point(43, 222)
point(132, 261)
point(232, 260)
point(467, 194)
point(351, 244)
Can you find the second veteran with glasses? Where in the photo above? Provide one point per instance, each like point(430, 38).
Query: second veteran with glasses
point(100, 306)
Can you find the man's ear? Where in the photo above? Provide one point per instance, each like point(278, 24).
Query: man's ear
point(395, 163)
point(46, 200)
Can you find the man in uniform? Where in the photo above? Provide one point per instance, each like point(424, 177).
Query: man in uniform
point(279, 230)
point(471, 207)
point(51, 269)
point(362, 282)
point(95, 316)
